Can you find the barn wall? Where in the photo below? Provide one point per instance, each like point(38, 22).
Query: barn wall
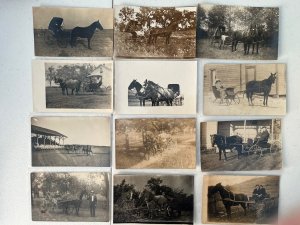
point(234, 75)
point(229, 74)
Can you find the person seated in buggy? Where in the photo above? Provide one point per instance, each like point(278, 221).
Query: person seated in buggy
point(259, 193)
point(219, 87)
point(56, 26)
point(262, 137)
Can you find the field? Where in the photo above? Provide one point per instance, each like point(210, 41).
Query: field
point(270, 161)
point(99, 100)
point(276, 106)
point(101, 44)
point(181, 154)
point(206, 50)
point(182, 45)
point(100, 157)
point(57, 214)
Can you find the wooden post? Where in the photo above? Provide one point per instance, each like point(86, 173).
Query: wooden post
point(244, 136)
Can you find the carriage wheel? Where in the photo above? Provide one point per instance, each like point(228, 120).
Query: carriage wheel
point(259, 211)
point(228, 101)
point(275, 146)
point(62, 43)
point(49, 38)
point(255, 149)
point(236, 99)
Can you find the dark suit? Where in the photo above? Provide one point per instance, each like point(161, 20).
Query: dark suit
point(93, 203)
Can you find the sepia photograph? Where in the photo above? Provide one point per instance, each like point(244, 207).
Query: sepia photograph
point(156, 87)
point(73, 86)
point(70, 197)
point(244, 89)
point(153, 199)
point(240, 199)
point(73, 32)
point(166, 143)
point(70, 141)
point(241, 145)
point(155, 32)
point(237, 32)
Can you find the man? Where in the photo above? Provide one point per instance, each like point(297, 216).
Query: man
point(256, 193)
point(262, 191)
point(219, 86)
point(93, 203)
point(262, 137)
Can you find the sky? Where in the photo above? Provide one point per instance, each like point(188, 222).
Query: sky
point(73, 17)
point(79, 130)
point(227, 180)
point(177, 182)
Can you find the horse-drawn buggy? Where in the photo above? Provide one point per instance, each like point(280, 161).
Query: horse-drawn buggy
point(228, 97)
point(56, 34)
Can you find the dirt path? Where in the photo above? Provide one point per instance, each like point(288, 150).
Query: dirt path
point(181, 155)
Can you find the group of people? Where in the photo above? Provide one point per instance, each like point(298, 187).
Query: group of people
point(259, 193)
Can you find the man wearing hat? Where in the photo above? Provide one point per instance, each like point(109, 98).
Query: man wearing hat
point(93, 203)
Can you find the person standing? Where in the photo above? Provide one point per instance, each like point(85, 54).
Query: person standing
point(93, 203)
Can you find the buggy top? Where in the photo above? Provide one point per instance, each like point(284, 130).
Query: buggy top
point(55, 25)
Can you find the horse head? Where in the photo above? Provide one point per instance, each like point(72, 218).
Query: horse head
point(98, 25)
point(213, 139)
point(273, 77)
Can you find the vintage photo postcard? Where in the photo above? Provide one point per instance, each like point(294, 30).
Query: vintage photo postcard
point(153, 199)
point(241, 145)
point(155, 32)
point(237, 32)
point(166, 143)
point(244, 89)
point(240, 199)
point(73, 32)
point(72, 86)
point(156, 87)
point(70, 197)
point(70, 141)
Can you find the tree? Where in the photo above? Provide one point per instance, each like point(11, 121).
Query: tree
point(217, 16)
point(50, 74)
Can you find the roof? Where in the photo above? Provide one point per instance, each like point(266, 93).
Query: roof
point(45, 131)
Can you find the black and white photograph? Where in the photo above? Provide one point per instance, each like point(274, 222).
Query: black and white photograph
point(241, 145)
point(70, 141)
point(73, 86)
point(244, 89)
point(166, 143)
point(155, 32)
point(73, 32)
point(153, 199)
point(237, 32)
point(156, 87)
point(240, 199)
point(70, 197)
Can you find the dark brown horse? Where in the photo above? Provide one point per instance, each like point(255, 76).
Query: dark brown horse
point(229, 198)
point(162, 32)
point(66, 205)
point(85, 32)
point(263, 86)
point(73, 84)
point(223, 143)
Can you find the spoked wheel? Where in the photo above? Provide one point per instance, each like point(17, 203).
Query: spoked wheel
point(49, 38)
point(255, 149)
point(275, 146)
point(236, 99)
point(228, 101)
point(62, 43)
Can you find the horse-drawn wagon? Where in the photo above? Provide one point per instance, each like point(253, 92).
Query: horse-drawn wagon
point(230, 97)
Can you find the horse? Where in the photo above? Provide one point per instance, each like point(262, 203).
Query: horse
point(140, 91)
point(229, 198)
point(162, 32)
point(73, 84)
point(253, 36)
point(85, 32)
point(224, 143)
point(154, 201)
point(158, 93)
point(76, 203)
point(263, 86)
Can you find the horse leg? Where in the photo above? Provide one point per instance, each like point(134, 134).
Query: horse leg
point(244, 207)
point(224, 152)
point(220, 154)
point(245, 48)
point(257, 46)
point(89, 43)
point(228, 211)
